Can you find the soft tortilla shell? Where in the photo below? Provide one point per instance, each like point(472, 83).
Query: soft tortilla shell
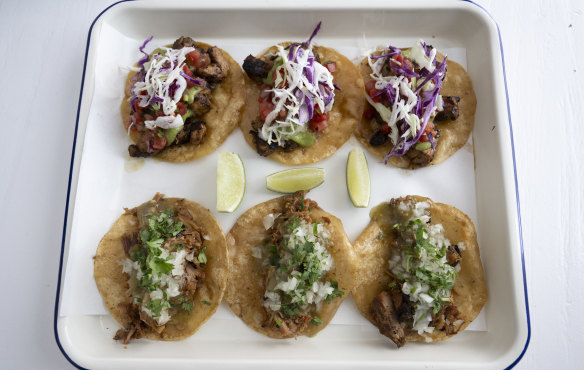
point(470, 289)
point(453, 134)
point(226, 108)
point(343, 118)
point(112, 282)
point(245, 288)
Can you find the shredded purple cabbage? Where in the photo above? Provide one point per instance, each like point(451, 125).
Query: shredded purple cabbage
point(305, 44)
point(146, 56)
point(190, 79)
point(424, 106)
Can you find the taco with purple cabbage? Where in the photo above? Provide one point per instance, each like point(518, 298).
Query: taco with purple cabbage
point(303, 102)
point(420, 109)
point(183, 101)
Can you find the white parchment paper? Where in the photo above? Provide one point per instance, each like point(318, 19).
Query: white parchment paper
point(110, 180)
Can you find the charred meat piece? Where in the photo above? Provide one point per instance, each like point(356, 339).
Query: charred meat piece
point(194, 132)
point(385, 316)
point(447, 319)
point(262, 147)
point(453, 255)
point(401, 302)
point(378, 138)
point(201, 103)
point(182, 42)
point(420, 158)
point(256, 68)
point(450, 111)
point(217, 70)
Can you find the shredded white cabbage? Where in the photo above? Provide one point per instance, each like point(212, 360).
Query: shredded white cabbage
point(162, 71)
point(293, 97)
point(406, 99)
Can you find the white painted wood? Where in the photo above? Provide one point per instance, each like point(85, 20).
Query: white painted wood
point(42, 46)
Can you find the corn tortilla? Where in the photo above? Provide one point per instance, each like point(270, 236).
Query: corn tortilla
point(227, 101)
point(113, 286)
point(245, 288)
point(453, 134)
point(343, 118)
point(470, 289)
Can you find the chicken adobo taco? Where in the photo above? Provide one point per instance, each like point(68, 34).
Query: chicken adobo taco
point(291, 266)
point(183, 102)
point(303, 102)
point(162, 269)
point(421, 277)
point(420, 109)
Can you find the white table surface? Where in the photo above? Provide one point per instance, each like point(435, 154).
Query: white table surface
point(42, 48)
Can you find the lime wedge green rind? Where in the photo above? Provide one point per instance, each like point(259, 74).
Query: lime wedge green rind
point(295, 179)
point(230, 181)
point(358, 180)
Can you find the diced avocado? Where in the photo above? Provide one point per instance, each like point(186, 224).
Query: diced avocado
point(269, 80)
point(189, 94)
point(171, 133)
point(406, 52)
point(423, 146)
point(303, 138)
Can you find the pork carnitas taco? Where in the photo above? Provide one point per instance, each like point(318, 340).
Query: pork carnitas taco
point(420, 108)
point(420, 269)
point(291, 266)
point(303, 102)
point(162, 269)
point(183, 102)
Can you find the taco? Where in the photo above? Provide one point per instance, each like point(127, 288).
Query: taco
point(291, 267)
point(421, 106)
point(183, 102)
point(303, 102)
point(420, 270)
point(162, 269)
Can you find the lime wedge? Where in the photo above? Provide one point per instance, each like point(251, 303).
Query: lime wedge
point(230, 181)
point(358, 181)
point(295, 179)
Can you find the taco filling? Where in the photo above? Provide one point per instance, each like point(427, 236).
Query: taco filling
point(422, 266)
point(297, 94)
point(164, 264)
point(296, 261)
point(405, 102)
point(171, 93)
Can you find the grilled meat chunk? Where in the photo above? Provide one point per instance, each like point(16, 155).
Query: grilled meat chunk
point(450, 111)
point(385, 316)
point(217, 70)
point(453, 255)
point(447, 319)
point(182, 42)
point(256, 68)
point(201, 103)
point(378, 138)
point(421, 158)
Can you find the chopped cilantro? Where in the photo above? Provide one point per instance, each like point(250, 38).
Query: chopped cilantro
point(382, 236)
point(278, 322)
point(206, 303)
point(202, 257)
point(316, 321)
point(156, 306)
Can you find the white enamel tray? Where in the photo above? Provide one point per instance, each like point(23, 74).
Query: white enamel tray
point(480, 179)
